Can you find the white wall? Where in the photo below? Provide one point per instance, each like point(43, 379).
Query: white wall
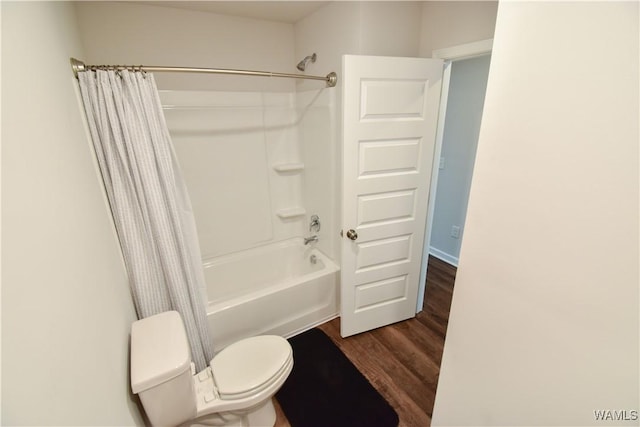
point(119, 32)
point(330, 32)
point(544, 323)
point(451, 23)
point(66, 307)
point(384, 28)
point(390, 28)
point(467, 89)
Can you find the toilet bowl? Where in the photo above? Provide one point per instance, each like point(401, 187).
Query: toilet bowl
point(234, 390)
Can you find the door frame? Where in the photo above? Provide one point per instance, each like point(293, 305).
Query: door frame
point(450, 55)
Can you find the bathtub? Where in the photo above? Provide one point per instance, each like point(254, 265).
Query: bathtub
point(283, 288)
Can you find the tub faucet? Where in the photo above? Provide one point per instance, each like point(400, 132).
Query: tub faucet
point(308, 240)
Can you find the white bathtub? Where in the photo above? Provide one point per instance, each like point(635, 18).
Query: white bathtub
point(273, 289)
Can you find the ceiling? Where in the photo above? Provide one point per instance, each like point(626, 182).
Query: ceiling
point(281, 11)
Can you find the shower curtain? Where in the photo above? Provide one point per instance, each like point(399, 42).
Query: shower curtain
point(148, 199)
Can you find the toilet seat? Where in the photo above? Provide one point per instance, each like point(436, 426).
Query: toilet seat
point(250, 366)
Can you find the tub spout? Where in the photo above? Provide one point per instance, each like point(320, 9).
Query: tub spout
point(308, 240)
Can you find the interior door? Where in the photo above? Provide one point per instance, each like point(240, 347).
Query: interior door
point(390, 110)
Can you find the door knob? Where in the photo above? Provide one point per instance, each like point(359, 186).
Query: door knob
point(352, 234)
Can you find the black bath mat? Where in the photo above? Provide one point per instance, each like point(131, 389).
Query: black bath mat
point(325, 389)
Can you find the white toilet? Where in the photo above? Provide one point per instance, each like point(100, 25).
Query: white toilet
point(235, 390)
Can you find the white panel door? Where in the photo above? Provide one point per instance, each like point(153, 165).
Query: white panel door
point(390, 110)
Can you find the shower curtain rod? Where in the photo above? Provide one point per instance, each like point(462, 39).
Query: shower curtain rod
point(79, 66)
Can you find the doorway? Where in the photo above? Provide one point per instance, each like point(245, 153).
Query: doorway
point(463, 91)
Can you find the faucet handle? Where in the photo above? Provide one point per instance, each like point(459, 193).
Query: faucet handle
point(314, 225)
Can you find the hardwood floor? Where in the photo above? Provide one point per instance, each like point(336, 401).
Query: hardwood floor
point(402, 361)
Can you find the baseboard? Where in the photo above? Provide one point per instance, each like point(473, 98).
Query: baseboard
point(449, 259)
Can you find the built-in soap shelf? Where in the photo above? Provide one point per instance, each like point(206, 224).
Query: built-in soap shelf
point(289, 167)
point(288, 213)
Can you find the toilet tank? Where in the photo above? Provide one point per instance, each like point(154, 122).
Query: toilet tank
point(161, 369)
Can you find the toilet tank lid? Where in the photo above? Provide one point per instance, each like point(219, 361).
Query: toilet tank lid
point(159, 350)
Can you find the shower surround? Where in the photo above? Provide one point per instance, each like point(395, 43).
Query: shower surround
point(257, 166)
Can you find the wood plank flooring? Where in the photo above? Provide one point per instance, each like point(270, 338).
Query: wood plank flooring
point(402, 361)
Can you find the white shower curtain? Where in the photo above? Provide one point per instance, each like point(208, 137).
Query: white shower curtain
point(148, 199)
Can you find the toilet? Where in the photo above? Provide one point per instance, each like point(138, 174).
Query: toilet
point(235, 390)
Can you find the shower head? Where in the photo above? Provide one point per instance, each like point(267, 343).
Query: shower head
point(303, 64)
